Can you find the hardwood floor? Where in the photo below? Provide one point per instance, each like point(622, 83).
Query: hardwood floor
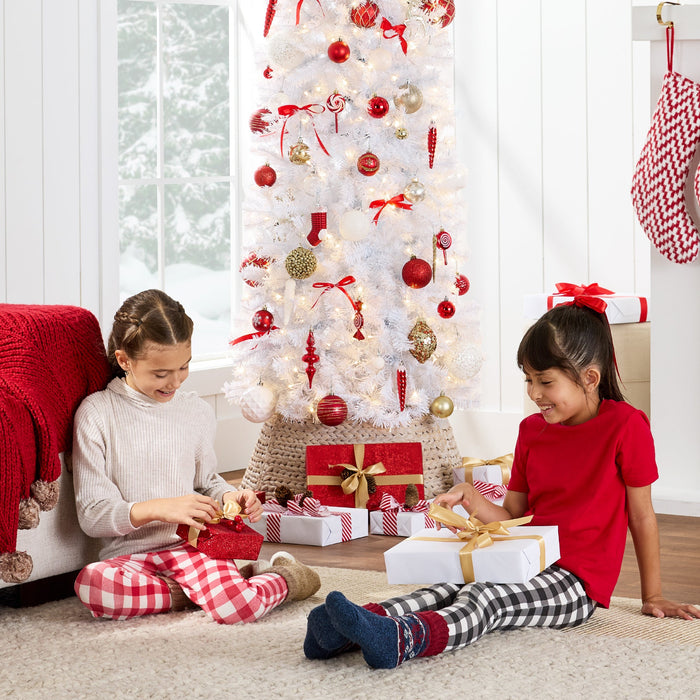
point(680, 556)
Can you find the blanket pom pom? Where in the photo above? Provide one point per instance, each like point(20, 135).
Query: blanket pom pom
point(15, 567)
point(28, 514)
point(45, 493)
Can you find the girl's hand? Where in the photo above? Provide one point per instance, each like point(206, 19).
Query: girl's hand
point(461, 494)
point(660, 607)
point(180, 510)
point(249, 504)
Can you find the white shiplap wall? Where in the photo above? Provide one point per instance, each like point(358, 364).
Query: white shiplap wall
point(546, 97)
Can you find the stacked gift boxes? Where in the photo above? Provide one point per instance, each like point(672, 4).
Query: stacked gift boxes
point(489, 476)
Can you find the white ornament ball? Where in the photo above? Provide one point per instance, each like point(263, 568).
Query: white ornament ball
point(377, 363)
point(380, 60)
point(258, 404)
point(354, 225)
point(468, 362)
point(285, 54)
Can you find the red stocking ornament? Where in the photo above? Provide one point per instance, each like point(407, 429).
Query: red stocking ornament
point(663, 166)
point(318, 227)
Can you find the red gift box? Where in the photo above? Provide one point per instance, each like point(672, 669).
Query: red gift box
point(392, 465)
point(226, 539)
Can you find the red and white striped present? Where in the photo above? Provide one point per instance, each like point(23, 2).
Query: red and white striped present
point(490, 477)
point(310, 523)
point(397, 519)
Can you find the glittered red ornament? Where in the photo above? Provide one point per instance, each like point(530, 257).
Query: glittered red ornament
point(339, 51)
point(444, 11)
point(446, 309)
point(368, 164)
point(377, 107)
point(311, 358)
point(401, 386)
point(265, 176)
point(417, 273)
point(365, 14)
point(332, 410)
point(462, 284)
point(262, 320)
point(267, 73)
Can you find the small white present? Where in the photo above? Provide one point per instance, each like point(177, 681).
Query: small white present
point(398, 519)
point(494, 552)
point(489, 477)
point(310, 523)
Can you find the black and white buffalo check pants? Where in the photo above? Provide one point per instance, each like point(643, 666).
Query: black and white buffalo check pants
point(554, 598)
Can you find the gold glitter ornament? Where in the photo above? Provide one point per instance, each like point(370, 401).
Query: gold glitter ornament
point(411, 100)
point(300, 263)
point(442, 406)
point(299, 153)
point(401, 133)
point(424, 341)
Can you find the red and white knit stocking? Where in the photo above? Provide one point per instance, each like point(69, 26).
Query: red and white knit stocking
point(318, 228)
point(664, 164)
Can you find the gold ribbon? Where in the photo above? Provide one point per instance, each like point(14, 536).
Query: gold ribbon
point(230, 511)
point(505, 462)
point(357, 482)
point(478, 535)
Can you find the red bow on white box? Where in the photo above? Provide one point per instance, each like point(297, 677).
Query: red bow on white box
point(389, 503)
point(298, 505)
point(491, 491)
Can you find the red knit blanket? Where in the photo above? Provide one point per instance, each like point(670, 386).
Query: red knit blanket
point(51, 357)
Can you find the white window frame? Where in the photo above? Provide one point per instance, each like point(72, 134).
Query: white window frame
point(206, 376)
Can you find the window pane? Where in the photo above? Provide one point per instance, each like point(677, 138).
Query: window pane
point(137, 89)
point(196, 99)
point(198, 259)
point(138, 239)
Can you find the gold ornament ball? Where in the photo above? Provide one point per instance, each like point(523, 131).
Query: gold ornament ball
point(414, 191)
point(442, 406)
point(300, 263)
point(299, 153)
point(424, 341)
point(411, 100)
point(401, 133)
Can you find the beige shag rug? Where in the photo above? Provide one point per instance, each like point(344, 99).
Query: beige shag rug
point(57, 650)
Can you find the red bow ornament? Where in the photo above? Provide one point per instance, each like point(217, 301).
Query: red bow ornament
point(288, 111)
point(394, 30)
point(398, 201)
point(341, 284)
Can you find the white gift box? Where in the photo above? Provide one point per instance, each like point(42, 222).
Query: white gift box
point(341, 525)
point(621, 308)
point(433, 556)
point(399, 524)
point(490, 473)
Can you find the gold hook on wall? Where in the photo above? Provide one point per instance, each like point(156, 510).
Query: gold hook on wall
point(659, 10)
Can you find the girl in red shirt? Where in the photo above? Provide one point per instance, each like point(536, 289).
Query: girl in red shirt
point(585, 463)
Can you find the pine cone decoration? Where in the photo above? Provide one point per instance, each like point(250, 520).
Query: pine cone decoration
point(412, 497)
point(307, 494)
point(346, 474)
point(283, 494)
point(371, 484)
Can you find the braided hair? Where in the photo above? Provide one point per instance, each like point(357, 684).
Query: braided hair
point(571, 338)
point(150, 316)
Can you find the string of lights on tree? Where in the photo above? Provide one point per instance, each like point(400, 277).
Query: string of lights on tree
point(355, 242)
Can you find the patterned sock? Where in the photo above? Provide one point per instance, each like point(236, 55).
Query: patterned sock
point(322, 640)
point(387, 642)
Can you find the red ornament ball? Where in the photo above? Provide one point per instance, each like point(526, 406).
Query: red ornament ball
point(462, 284)
point(443, 11)
point(332, 410)
point(417, 273)
point(365, 14)
point(268, 73)
point(265, 176)
point(339, 51)
point(446, 309)
point(368, 164)
point(262, 320)
point(377, 107)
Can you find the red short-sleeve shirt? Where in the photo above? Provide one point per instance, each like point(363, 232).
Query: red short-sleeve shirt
point(575, 477)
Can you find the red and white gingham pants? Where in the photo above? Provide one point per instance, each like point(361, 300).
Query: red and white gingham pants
point(130, 585)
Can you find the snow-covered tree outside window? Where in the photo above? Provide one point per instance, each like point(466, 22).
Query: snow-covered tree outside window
point(177, 159)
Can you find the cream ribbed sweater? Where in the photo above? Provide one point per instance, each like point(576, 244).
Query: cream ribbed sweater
point(129, 448)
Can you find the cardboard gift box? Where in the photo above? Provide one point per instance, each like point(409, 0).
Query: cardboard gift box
point(392, 466)
point(329, 526)
point(398, 520)
point(227, 539)
point(484, 553)
point(621, 308)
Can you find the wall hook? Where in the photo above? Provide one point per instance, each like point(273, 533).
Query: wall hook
point(659, 10)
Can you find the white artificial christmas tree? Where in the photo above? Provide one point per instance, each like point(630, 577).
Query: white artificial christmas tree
point(352, 171)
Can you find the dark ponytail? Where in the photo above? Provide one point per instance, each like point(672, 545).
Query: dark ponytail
point(571, 338)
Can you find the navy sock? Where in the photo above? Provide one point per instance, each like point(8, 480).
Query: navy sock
point(322, 640)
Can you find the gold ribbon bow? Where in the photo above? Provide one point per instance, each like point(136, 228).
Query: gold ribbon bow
point(230, 511)
point(357, 482)
point(504, 461)
point(478, 535)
